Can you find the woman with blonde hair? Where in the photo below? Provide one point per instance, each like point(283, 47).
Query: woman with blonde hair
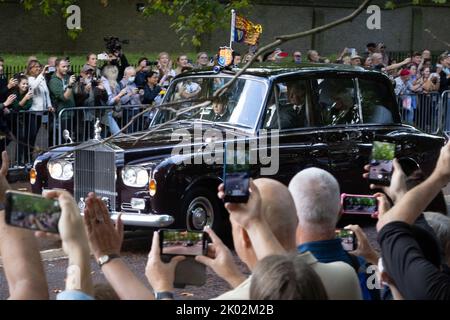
point(109, 80)
point(166, 73)
point(202, 60)
point(41, 102)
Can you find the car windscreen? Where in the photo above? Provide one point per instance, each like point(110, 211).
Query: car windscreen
point(240, 105)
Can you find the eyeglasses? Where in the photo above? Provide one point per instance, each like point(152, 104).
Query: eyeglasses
point(297, 56)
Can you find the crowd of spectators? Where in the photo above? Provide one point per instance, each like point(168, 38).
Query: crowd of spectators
point(284, 235)
point(44, 91)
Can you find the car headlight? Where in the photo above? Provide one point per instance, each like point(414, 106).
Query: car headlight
point(60, 169)
point(135, 176)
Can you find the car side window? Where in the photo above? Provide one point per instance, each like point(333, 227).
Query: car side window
point(337, 101)
point(288, 106)
point(376, 102)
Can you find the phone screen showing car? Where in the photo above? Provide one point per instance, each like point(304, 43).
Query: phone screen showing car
point(383, 153)
point(236, 176)
point(359, 204)
point(183, 242)
point(348, 239)
point(34, 212)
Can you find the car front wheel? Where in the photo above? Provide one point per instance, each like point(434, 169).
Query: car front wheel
point(203, 208)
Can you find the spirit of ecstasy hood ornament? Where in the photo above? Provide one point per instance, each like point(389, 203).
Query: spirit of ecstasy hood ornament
point(97, 130)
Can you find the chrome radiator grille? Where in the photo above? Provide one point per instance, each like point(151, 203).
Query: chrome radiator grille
point(95, 171)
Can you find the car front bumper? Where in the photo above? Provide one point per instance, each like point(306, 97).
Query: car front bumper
point(143, 220)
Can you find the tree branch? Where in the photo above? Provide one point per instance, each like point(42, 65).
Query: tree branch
point(436, 38)
point(285, 38)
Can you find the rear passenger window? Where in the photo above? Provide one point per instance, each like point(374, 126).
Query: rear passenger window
point(376, 102)
point(337, 101)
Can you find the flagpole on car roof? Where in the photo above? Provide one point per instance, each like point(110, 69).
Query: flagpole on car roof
point(233, 26)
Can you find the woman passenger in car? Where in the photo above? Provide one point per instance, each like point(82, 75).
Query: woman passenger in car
point(341, 111)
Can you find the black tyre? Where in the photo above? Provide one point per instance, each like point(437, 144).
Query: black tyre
point(201, 207)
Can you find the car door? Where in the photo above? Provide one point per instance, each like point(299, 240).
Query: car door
point(287, 115)
point(351, 118)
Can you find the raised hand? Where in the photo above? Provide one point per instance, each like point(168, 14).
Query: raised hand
point(104, 236)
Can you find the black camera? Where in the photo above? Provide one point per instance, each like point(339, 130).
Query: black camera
point(95, 82)
point(151, 63)
point(114, 44)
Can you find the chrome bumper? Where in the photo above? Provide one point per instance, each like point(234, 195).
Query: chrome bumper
point(143, 220)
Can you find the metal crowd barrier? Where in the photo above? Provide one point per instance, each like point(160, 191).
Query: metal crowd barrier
point(445, 111)
point(424, 111)
point(26, 134)
point(80, 121)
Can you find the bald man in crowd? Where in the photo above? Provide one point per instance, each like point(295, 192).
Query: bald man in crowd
point(278, 209)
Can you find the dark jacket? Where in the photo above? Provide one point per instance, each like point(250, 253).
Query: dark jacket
point(444, 82)
point(150, 94)
point(57, 88)
point(3, 88)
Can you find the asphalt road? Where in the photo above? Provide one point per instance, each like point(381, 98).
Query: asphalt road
point(134, 251)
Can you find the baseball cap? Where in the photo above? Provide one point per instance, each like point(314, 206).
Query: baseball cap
point(405, 72)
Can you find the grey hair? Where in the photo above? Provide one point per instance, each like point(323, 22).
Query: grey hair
point(377, 55)
point(317, 198)
point(286, 277)
point(128, 69)
point(441, 226)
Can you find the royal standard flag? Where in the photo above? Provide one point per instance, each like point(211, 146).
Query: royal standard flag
point(246, 31)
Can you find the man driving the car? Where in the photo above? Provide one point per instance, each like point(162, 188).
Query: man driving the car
point(219, 110)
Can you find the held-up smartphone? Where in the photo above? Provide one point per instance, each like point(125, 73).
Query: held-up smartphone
point(359, 204)
point(348, 238)
point(183, 242)
point(189, 244)
point(236, 173)
point(383, 153)
point(30, 211)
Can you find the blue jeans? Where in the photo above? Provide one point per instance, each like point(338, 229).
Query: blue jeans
point(112, 124)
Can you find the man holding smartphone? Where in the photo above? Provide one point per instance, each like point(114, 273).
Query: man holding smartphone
point(318, 203)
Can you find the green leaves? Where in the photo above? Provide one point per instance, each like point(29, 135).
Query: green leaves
point(195, 19)
point(391, 4)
